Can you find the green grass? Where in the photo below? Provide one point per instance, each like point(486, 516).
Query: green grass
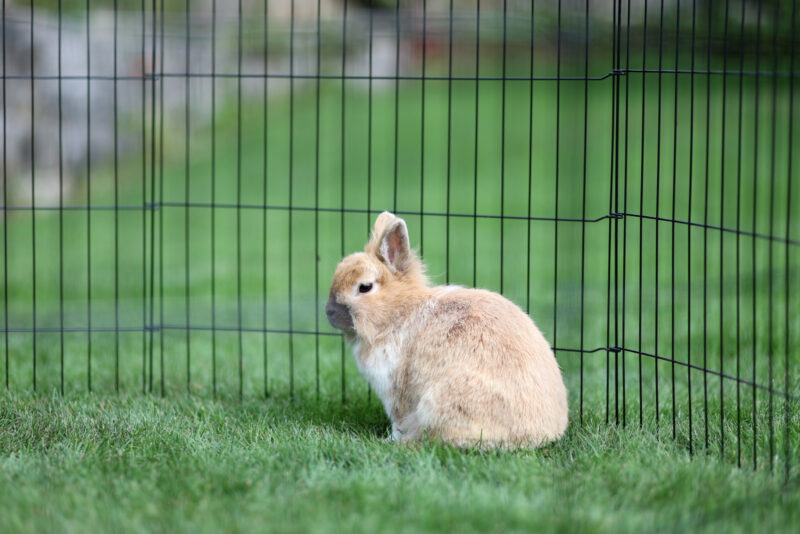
point(136, 462)
point(139, 463)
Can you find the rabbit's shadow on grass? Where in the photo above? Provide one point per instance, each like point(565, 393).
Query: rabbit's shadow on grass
point(361, 418)
point(364, 418)
point(329, 414)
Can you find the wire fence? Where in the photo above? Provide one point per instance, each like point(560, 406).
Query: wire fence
point(181, 178)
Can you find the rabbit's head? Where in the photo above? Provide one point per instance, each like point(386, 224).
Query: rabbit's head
point(371, 288)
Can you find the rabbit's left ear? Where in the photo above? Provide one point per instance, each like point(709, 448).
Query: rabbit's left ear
point(390, 241)
point(395, 249)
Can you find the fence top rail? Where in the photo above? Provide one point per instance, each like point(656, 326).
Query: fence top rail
point(417, 213)
point(404, 77)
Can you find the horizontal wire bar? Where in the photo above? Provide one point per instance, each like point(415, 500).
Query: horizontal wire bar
point(214, 205)
point(76, 208)
point(719, 374)
point(407, 77)
point(398, 212)
point(284, 76)
point(760, 74)
point(247, 329)
point(177, 327)
point(78, 77)
point(78, 329)
point(157, 328)
point(778, 239)
point(588, 351)
point(205, 328)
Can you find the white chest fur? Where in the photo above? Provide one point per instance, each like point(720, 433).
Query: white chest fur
point(379, 364)
point(379, 367)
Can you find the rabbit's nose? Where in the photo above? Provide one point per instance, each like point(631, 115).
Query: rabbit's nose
point(338, 315)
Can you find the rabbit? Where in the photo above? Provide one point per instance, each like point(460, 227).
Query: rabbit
point(464, 366)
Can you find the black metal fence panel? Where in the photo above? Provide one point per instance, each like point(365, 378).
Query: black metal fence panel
point(181, 177)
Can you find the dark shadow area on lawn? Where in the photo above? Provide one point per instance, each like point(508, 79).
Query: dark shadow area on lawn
point(362, 417)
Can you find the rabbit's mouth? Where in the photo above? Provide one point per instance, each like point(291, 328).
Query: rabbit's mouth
point(339, 315)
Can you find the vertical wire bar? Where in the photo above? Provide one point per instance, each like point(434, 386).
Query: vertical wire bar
point(555, 222)
point(61, 206)
point(610, 223)
point(291, 190)
point(396, 97)
point(753, 227)
point(116, 209)
point(705, 231)
point(674, 205)
point(449, 143)
point(316, 197)
point(369, 144)
point(186, 183)
point(658, 203)
point(721, 235)
point(530, 182)
point(503, 150)
point(145, 326)
point(5, 203)
point(787, 405)
point(738, 246)
point(422, 130)
point(265, 337)
point(33, 200)
point(618, 85)
point(475, 151)
point(342, 172)
point(689, 239)
point(239, 203)
point(239, 206)
point(641, 201)
point(153, 103)
point(583, 198)
point(369, 128)
point(770, 314)
point(88, 201)
point(625, 220)
point(160, 211)
point(213, 200)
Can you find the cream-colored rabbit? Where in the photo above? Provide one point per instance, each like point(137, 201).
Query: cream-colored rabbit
point(466, 366)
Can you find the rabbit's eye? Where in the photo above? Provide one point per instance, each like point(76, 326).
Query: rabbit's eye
point(364, 288)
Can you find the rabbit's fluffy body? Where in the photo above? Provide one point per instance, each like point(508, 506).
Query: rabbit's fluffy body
point(466, 366)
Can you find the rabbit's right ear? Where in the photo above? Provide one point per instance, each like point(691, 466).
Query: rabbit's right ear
point(390, 241)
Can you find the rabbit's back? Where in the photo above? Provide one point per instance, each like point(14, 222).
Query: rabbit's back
point(478, 369)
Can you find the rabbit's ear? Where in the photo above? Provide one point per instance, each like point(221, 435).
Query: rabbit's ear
point(382, 224)
point(390, 241)
point(394, 248)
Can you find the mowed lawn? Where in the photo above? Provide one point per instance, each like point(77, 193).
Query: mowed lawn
point(278, 430)
point(141, 463)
